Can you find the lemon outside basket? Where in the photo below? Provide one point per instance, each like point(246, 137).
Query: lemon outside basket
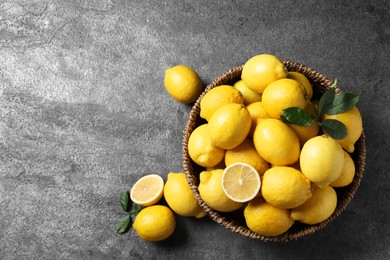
point(235, 221)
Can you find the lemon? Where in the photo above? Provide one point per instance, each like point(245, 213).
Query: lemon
point(318, 207)
point(211, 192)
point(249, 95)
point(305, 133)
point(240, 182)
point(217, 97)
point(285, 187)
point(178, 195)
point(229, 126)
point(148, 190)
point(182, 84)
point(200, 149)
point(322, 160)
point(276, 142)
point(261, 70)
point(155, 223)
point(282, 94)
point(352, 119)
point(246, 153)
point(347, 174)
point(304, 81)
point(265, 219)
point(257, 112)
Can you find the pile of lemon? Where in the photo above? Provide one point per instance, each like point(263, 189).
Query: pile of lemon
point(278, 173)
point(274, 172)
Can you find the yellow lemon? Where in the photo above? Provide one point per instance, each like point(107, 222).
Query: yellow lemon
point(352, 119)
point(318, 207)
point(148, 190)
point(322, 160)
point(282, 94)
point(211, 192)
point(155, 223)
point(305, 133)
point(217, 97)
point(276, 142)
point(229, 126)
point(249, 95)
point(257, 112)
point(265, 219)
point(304, 81)
point(200, 149)
point(347, 174)
point(261, 70)
point(178, 195)
point(246, 153)
point(285, 187)
point(182, 84)
point(241, 182)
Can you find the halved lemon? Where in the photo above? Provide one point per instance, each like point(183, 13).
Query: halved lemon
point(148, 190)
point(241, 182)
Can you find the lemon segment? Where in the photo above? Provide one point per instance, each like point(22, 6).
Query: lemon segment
point(148, 190)
point(240, 182)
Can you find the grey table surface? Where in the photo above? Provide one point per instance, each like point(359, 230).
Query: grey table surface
point(84, 114)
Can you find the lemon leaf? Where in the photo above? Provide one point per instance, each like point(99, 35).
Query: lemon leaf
point(334, 128)
point(124, 200)
point(326, 101)
point(123, 225)
point(137, 209)
point(343, 102)
point(296, 116)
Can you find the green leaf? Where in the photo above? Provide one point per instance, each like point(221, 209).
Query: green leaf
point(137, 209)
point(123, 225)
point(326, 101)
point(343, 102)
point(124, 200)
point(296, 116)
point(334, 128)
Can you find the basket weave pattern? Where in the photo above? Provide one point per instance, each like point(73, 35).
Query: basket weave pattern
point(229, 220)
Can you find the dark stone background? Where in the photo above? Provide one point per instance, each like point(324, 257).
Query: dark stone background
point(84, 114)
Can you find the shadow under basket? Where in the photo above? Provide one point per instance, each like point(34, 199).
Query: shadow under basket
point(235, 221)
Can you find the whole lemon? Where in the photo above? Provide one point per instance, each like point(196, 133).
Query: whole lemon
point(155, 223)
point(183, 84)
point(211, 192)
point(282, 94)
point(318, 207)
point(246, 153)
point(347, 174)
point(352, 119)
point(285, 187)
point(304, 81)
point(217, 97)
point(261, 70)
point(276, 142)
point(229, 126)
point(322, 160)
point(178, 195)
point(200, 149)
point(265, 219)
point(257, 112)
point(249, 95)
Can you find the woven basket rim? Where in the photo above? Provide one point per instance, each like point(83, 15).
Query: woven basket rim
point(345, 195)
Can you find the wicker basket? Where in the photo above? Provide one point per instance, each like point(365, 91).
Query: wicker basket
point(235, 220)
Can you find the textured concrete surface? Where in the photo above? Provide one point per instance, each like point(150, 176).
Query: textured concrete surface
point(83, 114)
